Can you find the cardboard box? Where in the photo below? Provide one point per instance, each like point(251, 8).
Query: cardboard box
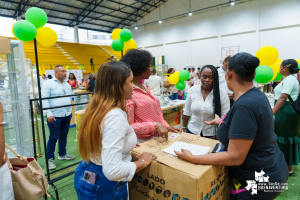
point(170, 118)
point(170, 178)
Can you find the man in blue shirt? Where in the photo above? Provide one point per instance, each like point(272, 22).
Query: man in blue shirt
point(58, 119)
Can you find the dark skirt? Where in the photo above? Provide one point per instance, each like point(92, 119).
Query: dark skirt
point(287, 128)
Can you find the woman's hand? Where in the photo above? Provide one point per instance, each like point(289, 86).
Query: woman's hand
point(184, 154)
point(147, 158)
point(217, 121)
point(184, 130)
point(173, 129)
point(162, 130)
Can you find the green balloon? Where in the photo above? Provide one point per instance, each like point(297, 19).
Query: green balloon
point(180, 85)
point(298, 65)
point(184, 75)
point(264, 74)
point(24, 31)
point(125, 35)
point(278, 77)
point(36, 16)
point(117, 45)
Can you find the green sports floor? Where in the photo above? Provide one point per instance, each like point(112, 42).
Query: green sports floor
point(66, 189)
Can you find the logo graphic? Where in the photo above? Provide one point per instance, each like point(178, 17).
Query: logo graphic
point(261, 182)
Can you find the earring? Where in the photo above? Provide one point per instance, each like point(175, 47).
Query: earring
point(228, 81)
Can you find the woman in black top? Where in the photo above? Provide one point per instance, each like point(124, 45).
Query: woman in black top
point(247, 132)
point(90, 84)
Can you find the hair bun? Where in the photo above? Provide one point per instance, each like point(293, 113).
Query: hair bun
point(295, 70)
point(252, 63)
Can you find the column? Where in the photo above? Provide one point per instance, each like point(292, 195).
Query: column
point(76, 36)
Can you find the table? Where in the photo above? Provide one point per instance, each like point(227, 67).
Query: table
point(176, 104)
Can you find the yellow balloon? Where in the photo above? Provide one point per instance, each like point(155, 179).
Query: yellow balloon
point(267, 55)
point(127, 45)
point(133, 44)
point(46, 36)
point(116, 33)
point(177, 73)
point(298, 61)
point(173, 79)
point(275, 67)
point(12, 31)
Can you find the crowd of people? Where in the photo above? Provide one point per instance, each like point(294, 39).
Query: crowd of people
point(222, 104)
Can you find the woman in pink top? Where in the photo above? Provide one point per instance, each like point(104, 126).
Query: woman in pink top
point(145, 114)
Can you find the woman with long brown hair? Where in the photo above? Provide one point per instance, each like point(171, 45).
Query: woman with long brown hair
point(105, 138)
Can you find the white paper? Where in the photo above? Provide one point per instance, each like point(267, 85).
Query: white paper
point(193, 148)
point(174, 135)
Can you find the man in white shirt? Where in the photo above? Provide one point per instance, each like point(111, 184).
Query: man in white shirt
point(154, 82)
point(192, 74)
point(222, 81)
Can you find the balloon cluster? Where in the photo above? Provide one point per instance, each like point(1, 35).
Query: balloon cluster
point(32, 27)
point(122, 40)
point(269, 65)
point(178, 79)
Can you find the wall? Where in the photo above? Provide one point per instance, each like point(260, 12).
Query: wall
point(198, 39)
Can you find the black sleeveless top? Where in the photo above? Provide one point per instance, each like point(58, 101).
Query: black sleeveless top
point(92, 85)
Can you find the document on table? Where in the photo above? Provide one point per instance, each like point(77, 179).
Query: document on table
point(193, 148)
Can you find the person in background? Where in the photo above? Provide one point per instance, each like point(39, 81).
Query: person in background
point(247, 132)
point(181, 94)
point(197, 79)
point(105, 138)
point(287, 121)
point(90, 84)
point(154, 82)
point(190, 70)
point(58, 119)
point(198, 70)
point(112, 58)
point(6, 187)
point(72, 81)
point(184, 68)
point(145, 114)
point(170, 88)
point(222, 81)
point(49, 76)
point(92, 62)
point(44, 77)
point(203, 102)
point(192, 74)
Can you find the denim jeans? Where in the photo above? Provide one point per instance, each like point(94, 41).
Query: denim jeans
point(59, 129)
point(201, 134)
point(103, 189)
point(174, 96)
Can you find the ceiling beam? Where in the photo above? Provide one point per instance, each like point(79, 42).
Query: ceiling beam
point(139, 1)
point(127, 5)
point(60, 11)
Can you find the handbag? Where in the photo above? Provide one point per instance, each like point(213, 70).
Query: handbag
point(28, 178)
point(295, 104)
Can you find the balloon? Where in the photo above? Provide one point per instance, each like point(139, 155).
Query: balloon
point(275, 67)
point(184, 75)
point(131, 44)
point(278, 77)
point(46, 36)
point(36, 16)
point(173, 79)
point(180, 85)
point(177, 73)
point(24, 30)
point(117, 45)
point(125, 35)
point(116, 34)
point(264, 74)
point(298, 61)
point(267, 55)
point(12, 31)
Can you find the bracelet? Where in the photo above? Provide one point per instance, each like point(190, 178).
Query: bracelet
point(183, 127)
point(2, 123)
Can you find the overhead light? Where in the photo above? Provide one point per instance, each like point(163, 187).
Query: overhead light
point(136, 27)
point(232, 3)
point(190, 14)
point(160, 21)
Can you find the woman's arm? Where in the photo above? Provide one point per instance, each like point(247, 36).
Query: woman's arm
point(280, 102)
point(234, 156)
point(187, 112)
point(87, 84)
point(166, 84)
point(76, 86)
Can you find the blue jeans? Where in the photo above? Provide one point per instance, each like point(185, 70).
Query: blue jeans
point(188, 131)
point(103, 189)
point(59, 129)
point(174, 96)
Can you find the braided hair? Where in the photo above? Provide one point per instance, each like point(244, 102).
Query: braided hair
point(216, 88)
